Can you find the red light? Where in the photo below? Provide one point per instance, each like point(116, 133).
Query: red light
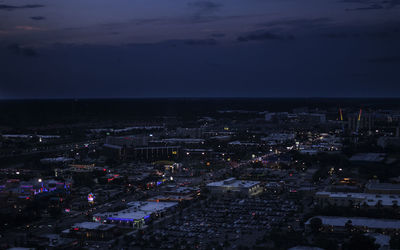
point(27, 198)
point(104, 169)
point(76, 228)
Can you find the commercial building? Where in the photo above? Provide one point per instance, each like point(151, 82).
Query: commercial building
point(368, 158)
point(154, 153)
point(357, 199)
point(138, 213)
point(56, 160)
point(386, 141)
point(179, 141)
point(365, 121)
point(382, 188)
point(132, 150)
point(33, 187)
point(279, 137)
point(235, 187)
point(312, 117)
point(128, 141)
point(91, 231)
point(114, 151)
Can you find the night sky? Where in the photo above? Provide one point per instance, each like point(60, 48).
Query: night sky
point(199, 48)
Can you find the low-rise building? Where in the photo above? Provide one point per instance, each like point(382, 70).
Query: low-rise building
point(368, 158)
point(235, 187)
point(91, 231)
point(138, 213)
point(356, 199)
point(382, 188)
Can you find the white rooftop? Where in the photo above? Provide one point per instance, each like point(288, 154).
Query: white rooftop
point(138, 210)
point(92, 225)
point(369, 199)
point(232, 182)
point(150, 206)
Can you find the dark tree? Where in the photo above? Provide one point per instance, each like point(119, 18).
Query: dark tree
point(315, 224)
point(395, 242)
point(361, 242)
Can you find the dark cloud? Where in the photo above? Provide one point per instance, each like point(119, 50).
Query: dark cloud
point(370, 7)
point(206, 5)
point(204, 8)
point(14, 7)
point(218, 35)
point(262, 36)
point(335, 35)
point(38, 18)
point(298, 23)
point(382, 34)
point(24, 51)
point(385, 59)
point(200, 42)
point(392, 3)
point(190, 42)
point(373, 4)
point(385, 30)
point(177, 42)
point(167, 21)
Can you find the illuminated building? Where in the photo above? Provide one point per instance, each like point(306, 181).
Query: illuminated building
point(235, 187)
point(138, 213)
point(90, 198)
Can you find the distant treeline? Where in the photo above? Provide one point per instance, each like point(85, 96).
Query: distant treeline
point(20, 113)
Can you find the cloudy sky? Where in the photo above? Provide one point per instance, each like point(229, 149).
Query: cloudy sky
point(199, 48)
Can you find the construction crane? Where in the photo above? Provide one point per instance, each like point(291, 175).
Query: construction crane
point(357, 127)
point(358, 121)
point(341, 119)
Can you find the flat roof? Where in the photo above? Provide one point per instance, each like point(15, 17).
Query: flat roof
point(112, 146)
point(383, 186)
point(232, 182)
point(369, 199)
point(368, 157)
point(151, 206)
point(137, 210)
point(93, 226)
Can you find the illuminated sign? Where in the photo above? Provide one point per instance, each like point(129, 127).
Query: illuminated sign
point(90, 198)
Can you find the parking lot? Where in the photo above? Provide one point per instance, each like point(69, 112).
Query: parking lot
point(228, 222)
